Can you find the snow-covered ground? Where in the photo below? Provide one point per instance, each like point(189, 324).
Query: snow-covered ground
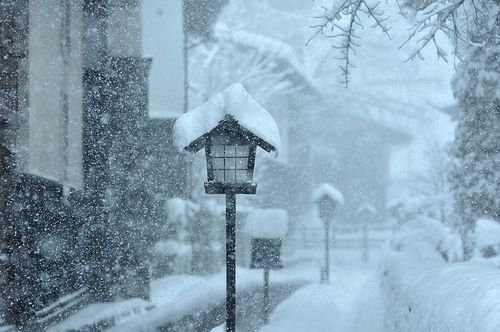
point(405, 286)
point(350, 302)
point(353, 284)
point(423, 292)
point(174, 297)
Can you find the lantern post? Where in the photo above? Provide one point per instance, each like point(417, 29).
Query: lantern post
point(230, 261)
point(327, 198)
point(230, 126)
point(366, 213)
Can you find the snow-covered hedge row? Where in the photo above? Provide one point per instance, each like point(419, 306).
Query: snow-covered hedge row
point(424, 293)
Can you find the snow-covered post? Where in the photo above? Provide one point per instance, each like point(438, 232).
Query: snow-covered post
point(229, 126)
point(267, 228)
point(366, 212)
point(327, 198)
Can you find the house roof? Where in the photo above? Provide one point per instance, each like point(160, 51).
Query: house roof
point(277, 49)
point(236, 103)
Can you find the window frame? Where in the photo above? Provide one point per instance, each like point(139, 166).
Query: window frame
point(230, 143)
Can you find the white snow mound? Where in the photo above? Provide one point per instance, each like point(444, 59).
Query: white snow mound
point(267, 224)
point(234, 101)
point(487, 232)
point(328, 190)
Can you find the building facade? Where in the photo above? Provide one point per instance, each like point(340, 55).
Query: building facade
point(77, 144)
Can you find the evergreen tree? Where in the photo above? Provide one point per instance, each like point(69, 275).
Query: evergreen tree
point(475, 176)
point(473, 27)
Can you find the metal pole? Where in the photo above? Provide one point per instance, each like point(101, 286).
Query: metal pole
point(230, 262)
point(366, 249)
point(327, 249)
point(266, 303)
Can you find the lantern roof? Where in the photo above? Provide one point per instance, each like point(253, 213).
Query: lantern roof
point(233, 103)
point(326, 189)
point(367, 208)
point(267, 224)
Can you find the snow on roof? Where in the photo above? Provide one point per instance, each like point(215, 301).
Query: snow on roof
point(267, 45)
point(367, 207)
point(487, 232)
point(234, 101)
point(328, 190)
point(267, 224)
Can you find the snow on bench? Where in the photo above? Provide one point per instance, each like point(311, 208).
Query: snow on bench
point(267, 224)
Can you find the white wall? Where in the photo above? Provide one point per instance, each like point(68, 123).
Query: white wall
point(163, 41)
point(125, 28)
point(55, 91)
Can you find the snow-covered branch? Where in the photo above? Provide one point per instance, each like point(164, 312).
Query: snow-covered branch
point(439, 16)
point(341, 23)
point(464, 22)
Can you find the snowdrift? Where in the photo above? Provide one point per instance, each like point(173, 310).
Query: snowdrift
point(422, 292)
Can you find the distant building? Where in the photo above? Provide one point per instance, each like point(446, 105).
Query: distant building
point(322, 142)
point(326, 136)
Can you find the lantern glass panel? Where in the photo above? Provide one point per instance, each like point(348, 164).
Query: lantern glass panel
point(219, 175)
point(218, 163)
point(217, 151)
point(241, 176)
point(242, 151)
point(229, 151)
point(230, 163)
point(241, 163)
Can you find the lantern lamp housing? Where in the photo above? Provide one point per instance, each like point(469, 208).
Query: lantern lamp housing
point(230, 151)
point(326, 206)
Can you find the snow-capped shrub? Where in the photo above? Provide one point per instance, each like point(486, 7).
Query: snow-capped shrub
point(487, 238)
point(430, 231)
point(423, 294)
point(170, 257)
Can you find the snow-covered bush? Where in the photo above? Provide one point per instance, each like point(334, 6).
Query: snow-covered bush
point(431, 232)
point(172, 253)
point(207, 237)
point(487, 238)
point(422, 292)
point(171, 257)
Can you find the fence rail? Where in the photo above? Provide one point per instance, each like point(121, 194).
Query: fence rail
point(345, 239)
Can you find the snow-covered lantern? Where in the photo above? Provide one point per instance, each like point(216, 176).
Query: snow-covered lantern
point(366, 212)
point(229, 126)
point(327, 199)
point(267, 228)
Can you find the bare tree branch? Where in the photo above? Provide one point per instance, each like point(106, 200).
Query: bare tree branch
point(464, 22)
point(431, 20)
point(330, 26)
